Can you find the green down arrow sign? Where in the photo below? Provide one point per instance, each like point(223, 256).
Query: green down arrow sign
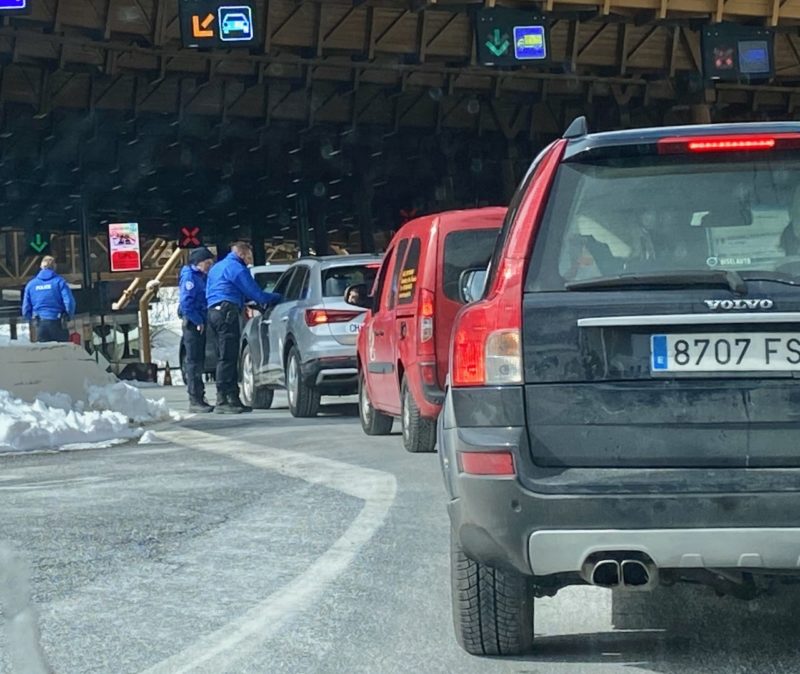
point(498, 43)
point(39, 244)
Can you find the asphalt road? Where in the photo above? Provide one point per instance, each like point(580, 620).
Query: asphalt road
point(268, 544)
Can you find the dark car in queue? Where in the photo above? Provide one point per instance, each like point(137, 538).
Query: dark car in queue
point(622, 407)
point(307, 343)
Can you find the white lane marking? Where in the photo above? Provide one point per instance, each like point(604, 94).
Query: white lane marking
point(217, 651)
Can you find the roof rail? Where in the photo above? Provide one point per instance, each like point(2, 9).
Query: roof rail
point(578, 128)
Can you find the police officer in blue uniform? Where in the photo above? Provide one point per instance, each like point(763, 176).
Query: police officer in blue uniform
point(49, 303)
point(230, 285)
point(194, 312)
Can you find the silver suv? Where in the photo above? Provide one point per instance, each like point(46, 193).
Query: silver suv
point(307, 343)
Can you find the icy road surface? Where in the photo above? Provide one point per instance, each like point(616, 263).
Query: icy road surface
point(270, 545)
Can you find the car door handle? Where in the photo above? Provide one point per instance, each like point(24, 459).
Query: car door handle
point(284, 319)
point(403, 330)
point(378, 333)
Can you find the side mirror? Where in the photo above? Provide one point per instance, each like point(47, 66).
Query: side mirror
point(471, 284)
point(357, 295)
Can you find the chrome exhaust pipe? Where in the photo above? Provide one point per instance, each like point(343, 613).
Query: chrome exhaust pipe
point(638, 575)
point(606, 573)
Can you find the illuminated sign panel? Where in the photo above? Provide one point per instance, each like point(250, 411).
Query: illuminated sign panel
point(215, 23)
point(11, 7)
point(510, 37)
point(736, 53)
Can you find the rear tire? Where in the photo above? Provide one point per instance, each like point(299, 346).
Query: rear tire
point(303, 399)
point(419, 433)
point(492, 608)
point(257, 397)
point(373, 422)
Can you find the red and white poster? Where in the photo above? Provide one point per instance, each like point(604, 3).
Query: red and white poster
point(123, 246)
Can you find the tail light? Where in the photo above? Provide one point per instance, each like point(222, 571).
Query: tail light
point(426, 316)
point(487, 337)
point(738, 143)
point(486, 463)
point(487, 344)
point(316, 317)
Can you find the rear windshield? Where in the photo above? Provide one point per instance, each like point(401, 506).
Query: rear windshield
point(267, 279)
point(335, 280)
point(671, 214)
point(467, 249)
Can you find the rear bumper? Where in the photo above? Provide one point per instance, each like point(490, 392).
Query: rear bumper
point(703, 548)
point(552, 522)
point(335, 375)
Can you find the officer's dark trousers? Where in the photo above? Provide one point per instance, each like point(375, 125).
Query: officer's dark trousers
point(50, 330)
point(224, 318)
point(194, 344)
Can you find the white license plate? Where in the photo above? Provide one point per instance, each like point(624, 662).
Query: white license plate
point(726, 352)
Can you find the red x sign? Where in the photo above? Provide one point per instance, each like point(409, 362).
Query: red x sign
point(190, 237)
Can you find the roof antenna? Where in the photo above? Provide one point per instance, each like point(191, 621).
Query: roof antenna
point(578, 128)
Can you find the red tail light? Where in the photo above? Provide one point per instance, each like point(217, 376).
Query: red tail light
point(323, 316)
point(737, 143)
point(426, 308)
point(487, 337)
point(486, 463)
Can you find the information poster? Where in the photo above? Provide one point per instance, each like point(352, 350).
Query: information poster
point(123, 246)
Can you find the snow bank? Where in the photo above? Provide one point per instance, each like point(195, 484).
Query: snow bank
point(129, 401)
point(25, 426)
point(28, 370)
point(54, 421)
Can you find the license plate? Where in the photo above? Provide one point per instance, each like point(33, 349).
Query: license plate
point(355, 328)
point(725, 352)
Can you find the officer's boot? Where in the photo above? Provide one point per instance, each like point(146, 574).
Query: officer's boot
point(199, 406)
point(224, 405)
point(234, 400)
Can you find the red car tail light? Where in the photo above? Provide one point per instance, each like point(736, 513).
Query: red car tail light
point(426, 308)
point(486, 463)
point(316, 317)
point(738, 143)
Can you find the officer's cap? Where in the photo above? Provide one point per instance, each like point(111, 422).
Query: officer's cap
point(199, 255)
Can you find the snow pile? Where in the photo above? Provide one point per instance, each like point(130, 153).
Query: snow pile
point(25, 426)
point(23, 334)
point(54, 421)
point(129, 401)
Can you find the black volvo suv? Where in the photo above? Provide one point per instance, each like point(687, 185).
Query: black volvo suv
point(624, 399)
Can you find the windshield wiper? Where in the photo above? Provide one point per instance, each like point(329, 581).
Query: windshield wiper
point(708, 277)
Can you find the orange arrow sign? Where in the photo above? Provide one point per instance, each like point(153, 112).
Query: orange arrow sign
point(201, 28)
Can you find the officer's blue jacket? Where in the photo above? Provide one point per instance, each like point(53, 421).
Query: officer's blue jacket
point(47, 296)
point(193, 295)
point(231, 281)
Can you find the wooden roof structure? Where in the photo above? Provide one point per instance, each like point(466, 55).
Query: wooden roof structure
point(389, 62)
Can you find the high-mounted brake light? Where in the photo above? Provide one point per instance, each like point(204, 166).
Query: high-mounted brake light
point(486, 463)
point(323, 316)
point(737, 143)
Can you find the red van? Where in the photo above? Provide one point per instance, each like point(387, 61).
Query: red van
point(403, 346)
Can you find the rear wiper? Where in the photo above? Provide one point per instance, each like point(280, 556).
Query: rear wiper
point(708, 277)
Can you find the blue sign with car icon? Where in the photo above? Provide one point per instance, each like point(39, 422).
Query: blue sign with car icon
point(236, 24)
point(13, 4)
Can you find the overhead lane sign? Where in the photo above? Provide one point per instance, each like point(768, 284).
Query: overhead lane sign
point(510, 37)
point(11, 7)
point(215, 23)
